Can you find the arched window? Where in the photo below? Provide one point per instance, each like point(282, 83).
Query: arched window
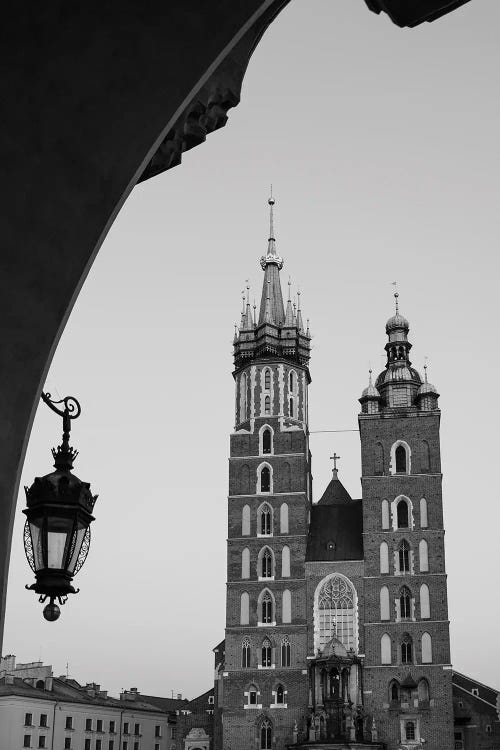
point(385, 649)
point(423, 691)
point(245, 563)
point(280, 694)
point(265, 479)
point(394, 692)
point(267, 379)
point(425, 604)
point(384, 558)
point(285, 562)
point(385, 514)
point(244, 480)
point(291, 381)
point(423, 556)
point(335, 612)
point(425, 453)
point(40, 684)
point(285, 652)
point(266, 563)
point(404, 557)
point(287, 606)
point(405, 603)
point(406, 649)
point(267, 405)
point(267, 441)
point(266, 608)
point(402, 514)
point(265, 523)
point(245, 653)
point(252, 695)
point(378, 459)
point(284, 518)
point(400, 455)
point(267, 652)
point(245, 521)
point(244, 608)
point(384, 604)
point(266, 735)
point(410, 730)
point(426, 648)
point(423, 513)
point(291, 407)
point(286, 481)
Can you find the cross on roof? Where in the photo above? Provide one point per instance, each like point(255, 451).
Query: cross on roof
point(334, 458)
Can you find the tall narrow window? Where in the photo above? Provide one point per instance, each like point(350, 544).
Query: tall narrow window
point(384, 603)
point(252, 695)
point(423, 513)
point(284, 518)
point(404, 557)
point(267, 405)
point(243, 397)
point(406, 649)
point(405, 603)
point(291, 381)
point(423, 556)
point(266, 653)
point(266, 562)
point(285, 652)
point(378, 459)
point(244, 608)
point(245, 653)
point(265, 479)
point(280, 695)
point(266, 608)
point(385, 514)
point(286, 606)
point(425, 457)
point(394, 692)
point(384, 558)
point(267, 379)
point(423, 691)
point(291, 407)
point(402, 514)
point(285, 562)
point(410, 730)
point(425, 604)
point(400, 456)
point(245, 521)
point(385, 649)
point(266, 441)
point(245, 563)
point(266, 735)
point(265, 520)
point(244, 480)
point(426, 649)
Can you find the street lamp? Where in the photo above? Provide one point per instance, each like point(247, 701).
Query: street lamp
point(58, 518)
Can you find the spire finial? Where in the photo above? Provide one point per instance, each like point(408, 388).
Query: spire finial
point(248, 291)
point(396, 295)
point(271, 202)
point(254, 314)
point(370, 376)
point(289, 286)
point(334, 458)
point(272, 256)
point(425, 368)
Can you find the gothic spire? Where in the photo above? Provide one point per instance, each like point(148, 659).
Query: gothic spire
point(271, 305)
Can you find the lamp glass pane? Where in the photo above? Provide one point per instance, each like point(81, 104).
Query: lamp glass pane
point(36, 539)
point(80, 533)
point(58, 533)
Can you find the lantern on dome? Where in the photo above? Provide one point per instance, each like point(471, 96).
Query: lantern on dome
point(58, 517)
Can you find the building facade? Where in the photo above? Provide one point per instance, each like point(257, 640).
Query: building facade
point(336, 621)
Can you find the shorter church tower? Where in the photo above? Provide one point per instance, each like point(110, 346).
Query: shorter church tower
point(407, 671)
point(264, 682)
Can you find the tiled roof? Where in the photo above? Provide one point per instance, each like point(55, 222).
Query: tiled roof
point(484, 702)
point(166, 704)
point(335, 493)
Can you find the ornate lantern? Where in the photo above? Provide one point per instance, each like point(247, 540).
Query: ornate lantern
point(58, 518)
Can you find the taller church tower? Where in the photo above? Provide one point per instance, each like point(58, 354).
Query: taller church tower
point(407, 671)
point(265, 681)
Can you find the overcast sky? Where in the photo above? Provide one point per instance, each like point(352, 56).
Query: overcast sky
point(382, 145)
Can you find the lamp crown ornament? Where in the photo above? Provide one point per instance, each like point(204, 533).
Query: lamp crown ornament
point(58, 517)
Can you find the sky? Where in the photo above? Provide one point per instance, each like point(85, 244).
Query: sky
point(382, 148)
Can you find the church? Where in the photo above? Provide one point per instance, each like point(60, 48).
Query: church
point(337, 629)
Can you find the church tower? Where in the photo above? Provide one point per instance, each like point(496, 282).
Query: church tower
point(407, 672)
point(265, 682)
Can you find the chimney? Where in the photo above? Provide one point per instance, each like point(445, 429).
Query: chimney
point(48, 683)
point(179, 696)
